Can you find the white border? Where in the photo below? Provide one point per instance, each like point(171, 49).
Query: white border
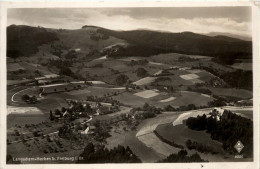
point(51, 4)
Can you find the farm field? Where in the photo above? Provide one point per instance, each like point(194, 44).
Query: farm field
point(239, 93)
point(128, 138)
point(168, 100)
point(23, 110)
point(243, 64)
point(147, 94)
point(191, 98)
point(22, 119)
point(14, 67)
point(144, 81)
point(95, 91)
point(152, 141)
point(189, 76)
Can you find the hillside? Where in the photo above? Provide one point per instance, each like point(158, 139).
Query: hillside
point(185, 42)
point(245, 38)
point(27, 41)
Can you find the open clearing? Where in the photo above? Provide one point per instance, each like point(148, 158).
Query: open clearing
point(196, 81)
point(152, 141)
point(189, 76)
point(149, 125)
point(191, 98)
point(194, 71)
point(52, 85)
point(168, 100)
point(181, 133)
point(101, 58)
point(127, 138)
point(239, 93)
point(78, 92)
point(192, 113)
point(243, 66)
point(23, 110)
point(147, 94)
point(158, 73)
point(22, 119)
point(97, 82)
point(144, 81)
point(14, 67)
point(130, 99)
point(94, 91)
point(156, 63)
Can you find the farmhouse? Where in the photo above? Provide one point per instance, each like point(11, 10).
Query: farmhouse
point(217, 113)
point(51, 76)
point(85, 131)
point(89, 130)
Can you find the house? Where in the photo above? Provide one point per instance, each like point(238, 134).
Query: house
point(65, 113)
point(85, 131)
point(51, 76)
point(91, 129)
point(40, 78)
point(217, 113)
point(98, 112)
point(88, 130)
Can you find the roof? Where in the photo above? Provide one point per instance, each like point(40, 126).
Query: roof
point(40, 78)
point(51, 76)
point(92, 127)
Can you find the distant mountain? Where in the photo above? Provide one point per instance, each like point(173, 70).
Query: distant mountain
point(245, 38)
point(26, 41)
point(147, 43)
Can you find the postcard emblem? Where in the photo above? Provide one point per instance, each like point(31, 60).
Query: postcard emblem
point(239, 146)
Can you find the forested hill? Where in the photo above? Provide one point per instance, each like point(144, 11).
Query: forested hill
point(185, 42)
point(26, 40)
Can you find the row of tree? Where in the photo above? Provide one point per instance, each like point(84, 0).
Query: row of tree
point(29, 99)
point(119, 154)
point(237, 79)
point(182, 157)
point(202, 148)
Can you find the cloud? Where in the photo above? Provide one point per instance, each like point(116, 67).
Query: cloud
point(130, 19)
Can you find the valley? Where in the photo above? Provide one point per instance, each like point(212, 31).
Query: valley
point(69, 88)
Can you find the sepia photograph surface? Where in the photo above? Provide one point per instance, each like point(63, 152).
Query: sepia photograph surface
point(129, 85)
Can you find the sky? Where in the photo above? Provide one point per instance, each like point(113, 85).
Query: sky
point(233, 20)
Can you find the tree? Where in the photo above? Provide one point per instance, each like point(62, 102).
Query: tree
point(182, 157)
point(25, 97)
point(141, 72)
point(89, 148)
point(100, 154)
point(121, 79)
point(51, 116)
point(145, 106)
point(63, 109)
point(57, 112)
point(33, 100)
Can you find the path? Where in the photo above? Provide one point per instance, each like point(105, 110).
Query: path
point(12, 98)
point(146, 132)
